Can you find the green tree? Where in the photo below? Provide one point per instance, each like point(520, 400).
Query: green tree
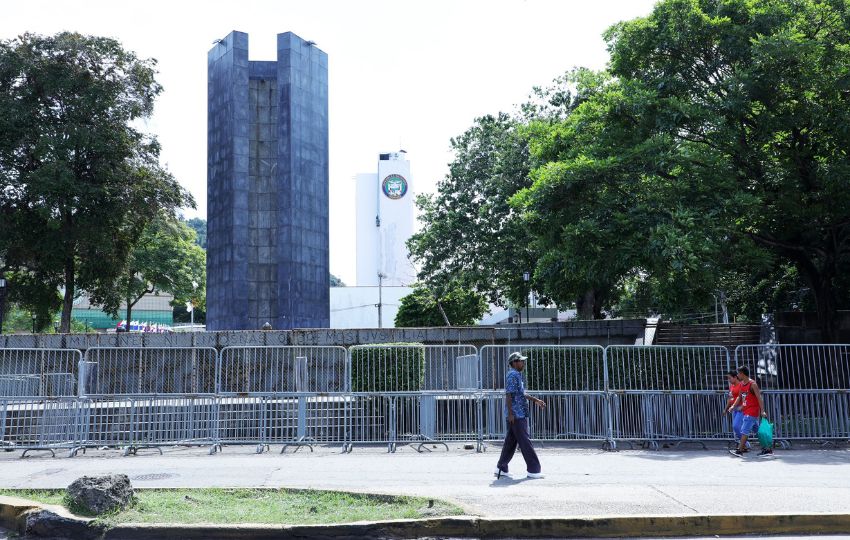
point(80, 182)
point(606, 213)
point(470, 235)
point(200, 227)
point(35, 294)
point(458, 307)
point(167, 258)
point(336, 282)
point(752, 99)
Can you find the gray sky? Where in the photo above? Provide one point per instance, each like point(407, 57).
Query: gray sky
point(402, 74)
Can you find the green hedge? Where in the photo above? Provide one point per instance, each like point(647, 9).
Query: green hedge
point(550, 368)
point(666, 368)
point(390, 367)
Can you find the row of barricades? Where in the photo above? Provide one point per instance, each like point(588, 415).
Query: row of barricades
point(405, 393)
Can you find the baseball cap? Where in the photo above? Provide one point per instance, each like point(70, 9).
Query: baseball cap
point(516, 356)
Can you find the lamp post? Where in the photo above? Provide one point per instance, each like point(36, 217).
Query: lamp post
point(2, 300)
point(381, 277)
point(33, 322)
point(526, 277)
point(192, 310)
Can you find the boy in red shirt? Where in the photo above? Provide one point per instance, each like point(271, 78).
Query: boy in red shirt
point(737, 415)
point(752, 406)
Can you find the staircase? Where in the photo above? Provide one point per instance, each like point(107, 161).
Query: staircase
point(727, 335)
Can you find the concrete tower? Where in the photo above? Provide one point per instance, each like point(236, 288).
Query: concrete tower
point(267, 186)
point(384, 223)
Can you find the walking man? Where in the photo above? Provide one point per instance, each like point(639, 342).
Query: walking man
point(516, 411)
point(752, 407)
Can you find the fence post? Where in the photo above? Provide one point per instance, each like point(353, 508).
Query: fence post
point(301, 384)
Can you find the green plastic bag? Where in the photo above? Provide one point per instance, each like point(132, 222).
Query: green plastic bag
point(765, 433)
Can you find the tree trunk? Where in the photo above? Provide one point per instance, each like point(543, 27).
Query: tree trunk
point(443, 313)
point(820, 280)
point(825, 300)
point(131, 303)
point(587, 305)
point(68, 300)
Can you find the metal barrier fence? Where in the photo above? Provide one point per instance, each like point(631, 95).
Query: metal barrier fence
point(38, 373)
point(667, 393)
point(148, 397)
point(805, 388)
point(394, 394)
point(148, 371)
point(41, 424)
point(571, 379)
point(283, 395)
point(409, 393)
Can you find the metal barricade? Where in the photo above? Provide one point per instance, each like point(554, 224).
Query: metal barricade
point(806, 388)
point(33, 373)
point(153, 421)
point(291, 395)
point(149, 397)
point(571, 379)
point(668, 393)
point(41, 424)
point(110, 371)
point(38, 410)
point(405, 393)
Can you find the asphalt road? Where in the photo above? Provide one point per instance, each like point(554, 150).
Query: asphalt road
point(578, 482)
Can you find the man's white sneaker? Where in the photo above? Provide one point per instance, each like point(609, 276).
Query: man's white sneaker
point(535, 475)
point(499, 473)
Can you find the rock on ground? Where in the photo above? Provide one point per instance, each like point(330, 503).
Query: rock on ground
point(101, 494)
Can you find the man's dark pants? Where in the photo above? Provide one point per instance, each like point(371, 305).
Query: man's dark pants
point(518, 435)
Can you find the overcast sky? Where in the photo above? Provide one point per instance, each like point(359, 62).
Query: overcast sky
point(402, 74)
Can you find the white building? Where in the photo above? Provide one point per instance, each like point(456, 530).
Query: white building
point(384, 223)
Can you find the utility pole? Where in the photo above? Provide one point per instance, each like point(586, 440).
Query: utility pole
point(526, 277)
point(381, 277)
point(192, 310)
point(2, 300)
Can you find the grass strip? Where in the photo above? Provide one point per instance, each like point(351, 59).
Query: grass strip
point(264, 506)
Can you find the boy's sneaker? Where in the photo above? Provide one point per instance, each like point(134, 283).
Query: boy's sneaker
point(766, 453)
point(499, 473)
point(535, 475)
point(736, 453)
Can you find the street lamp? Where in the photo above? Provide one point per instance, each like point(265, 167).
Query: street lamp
point(192, 310)
point(381, 277)
point(33, 322)
point(526, 277)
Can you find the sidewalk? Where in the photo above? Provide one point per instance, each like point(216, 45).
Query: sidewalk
point(579, 481)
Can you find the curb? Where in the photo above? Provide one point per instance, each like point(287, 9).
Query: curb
point(45, 520)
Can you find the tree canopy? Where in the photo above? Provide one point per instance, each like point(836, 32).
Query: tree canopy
point(708, 160)
point(457, 307)
point(472, 237)
point(81, 183)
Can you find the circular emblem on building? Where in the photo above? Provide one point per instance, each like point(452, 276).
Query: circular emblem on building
point(394, 186)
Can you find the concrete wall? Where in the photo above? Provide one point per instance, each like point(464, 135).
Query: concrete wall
point(614, 332)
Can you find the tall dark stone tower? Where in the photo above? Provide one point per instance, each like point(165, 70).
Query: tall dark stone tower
point(267, 186)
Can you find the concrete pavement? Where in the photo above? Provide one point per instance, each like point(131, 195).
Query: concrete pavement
point(578, 482)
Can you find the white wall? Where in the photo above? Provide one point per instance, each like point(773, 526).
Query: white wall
point(367, 232)
point(354, 307)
